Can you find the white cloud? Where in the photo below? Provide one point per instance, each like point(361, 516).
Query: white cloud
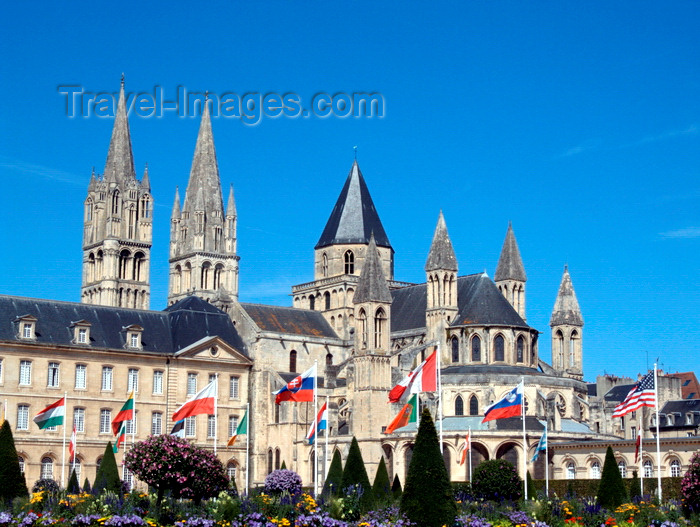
point(688, 232)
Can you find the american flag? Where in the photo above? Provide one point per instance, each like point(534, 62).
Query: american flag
point(643, 394)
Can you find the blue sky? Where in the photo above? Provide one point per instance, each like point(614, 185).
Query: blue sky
point(578, 123)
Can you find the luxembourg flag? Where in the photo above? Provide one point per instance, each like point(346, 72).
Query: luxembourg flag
point(52, 415)
point(202, 403)
point(509, 406)
point(321, 423)
point(422, 379)
point(299, 389)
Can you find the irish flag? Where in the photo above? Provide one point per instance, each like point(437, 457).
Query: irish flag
point(407, 415)
point(202, 403)
point(241, 429)
point(421, 379)
point(125, 414)
point(52, 415)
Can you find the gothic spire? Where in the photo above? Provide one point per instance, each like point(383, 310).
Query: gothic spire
point(230, 203)
point(566, 309)
point(510, 264)
point(354, 217)
point(372, 285)
point(176, 205)
point(145, 181)
point(120, 159)
point(441, 255)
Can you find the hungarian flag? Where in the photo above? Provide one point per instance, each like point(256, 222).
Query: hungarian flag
point(407, 415)
point(421, 379)
point(71, 446)
point(320, 423)
point(203, 402)
point(121, 437)
point(465, 449)
point(125, 414)
point(241, 429)
point(299, 389)
point(510, 405)
point(52, 415)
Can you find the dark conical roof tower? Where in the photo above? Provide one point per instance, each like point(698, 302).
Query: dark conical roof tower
point(510, 264)
point(442, 254)
point(354, 217)
point(120, 158)
point(372, 285)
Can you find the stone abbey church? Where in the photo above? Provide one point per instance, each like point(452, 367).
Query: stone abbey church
point(364, 328)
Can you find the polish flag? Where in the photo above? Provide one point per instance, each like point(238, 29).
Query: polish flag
point(202, 403)
point(422, 379)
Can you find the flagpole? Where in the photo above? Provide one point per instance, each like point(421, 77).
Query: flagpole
point(325, 454)
point(470, 454)
point(316, 433)
point(63, 461)
point(439, 387)
point(216, 407)
point(133, 419)
point(546, 460)
point(247, 445)
point(641, 461)
point(658, 442)
point(522, 414)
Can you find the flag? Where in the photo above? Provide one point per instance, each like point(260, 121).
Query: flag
point(125, 414)
point(121, 437)
point(202, 403)
point(407, 415)
point(421, 379)
point(241, 429)
point(299, 389)
point(71, 446)
point(542, 445)
point(641, 394)
point(510, 405)
point(320, 423)
point(52, 415)
point(637, 446)
point(179, 429)
point(464, 449)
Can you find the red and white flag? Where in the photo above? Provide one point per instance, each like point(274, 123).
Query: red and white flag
point(71, 446)
point(202, 403)
point(421, 379)
point(638, 446)
point(465, 450)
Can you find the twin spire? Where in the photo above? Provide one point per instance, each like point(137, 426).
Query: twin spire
point(510, 264)
point(120, 159)
point(566, 309)
point(442, 254)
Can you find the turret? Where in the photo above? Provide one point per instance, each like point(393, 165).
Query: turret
point(567, 330)
point(441, 281)
point(510, 274)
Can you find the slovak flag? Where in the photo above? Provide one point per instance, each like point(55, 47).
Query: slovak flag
point(202, 403)
point(510, 405)
point(421, 379)
point(299, 389)
point(321, 423)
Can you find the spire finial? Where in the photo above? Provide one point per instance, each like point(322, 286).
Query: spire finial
point(355, 150)
point(122, 81)
point(206, 95)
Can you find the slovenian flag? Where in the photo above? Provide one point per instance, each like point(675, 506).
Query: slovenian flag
point(321, 423)
point(52, 415)
point(299, 389)
point(201, 403)
point(125, 414)
point(421, 379)
point(509, 406)
point(241, 429)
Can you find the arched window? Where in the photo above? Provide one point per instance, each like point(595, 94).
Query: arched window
point(520, 349)
point(595, 470)
point(648, 468)
point(293, 361)
point(408, 455)
point(206, 268)
point(88, 210)
point(324, 265)
point(269, 460)
point(379, 328)
point(362, 319)
point(570, 470)
point(473, 405)
point(559, 347)
point(446, 458)
point(218, 271)
point(327, 300)
point(46, 468)
point(177, 279)
point(349, 260)
point(622, 466)
point(455, 349)
point(476, 349)
point(572, 348)
point(329, 359)
point(231, 469)
point(459, 405)
point(139, 259)
point(115, 202)
point(499, 345)
point(21, 464)
point(124, 258)
point(146, 206)
point(277, 459)
point(312, 302)
point(675, 468)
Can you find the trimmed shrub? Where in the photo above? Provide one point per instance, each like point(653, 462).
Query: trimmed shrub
point(427, 497)
point(13, 482)
point(46, 485)
point(396, 489)
point(381, 488)
point(73, 485)
point(334, 479)
point(283, 480)
point(497, 480)
point(612, 491)
point(107, 477)
point(635, 488)
point(531, 492)
point(86, 486)
point(355, 473)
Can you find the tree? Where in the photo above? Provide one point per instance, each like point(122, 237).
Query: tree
point(690, 487)
point(427, 497)
point(355, 473)
point(107, 477)
point(167, 462)
point(86, 486)
point(284, 466)
point(531, 492)
point(396, 489)
point(13, 482)
point(497, 479)
point(381, 488)
point(73, 485)
point(611, 490)
point(635, 486)
point(334, 479)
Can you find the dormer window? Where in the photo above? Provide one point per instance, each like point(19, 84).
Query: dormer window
point(27, 330)
point(133, 336)
point(26, 327)
point(81, 332)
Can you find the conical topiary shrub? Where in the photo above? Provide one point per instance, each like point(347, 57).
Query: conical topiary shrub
point(107, 477)
point(334, 479)
point(611, 490)
point(381, 488)
point(73, 485)
point(12, 482)
point(396, 489)
point(427, 497)
point(355, 473)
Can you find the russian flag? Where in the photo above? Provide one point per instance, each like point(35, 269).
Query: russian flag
point(510, 405)
point(299, 389)
point(321, 423)
point(422, 379)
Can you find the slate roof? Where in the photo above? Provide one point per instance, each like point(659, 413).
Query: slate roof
point(480, 303)
point(592, 389)
point(442, 254)
point(618, 393)
point(566, 309)
point(164, 332)
point(516, 424)
point(510, 264)
point(372, 287)
point(681, 406)
point(290, 320)
point(488, 369)
point(354, 218)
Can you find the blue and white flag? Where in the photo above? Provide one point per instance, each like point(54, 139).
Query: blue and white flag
point(542, 445)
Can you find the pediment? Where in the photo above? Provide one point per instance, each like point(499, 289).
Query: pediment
point(213, 348)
